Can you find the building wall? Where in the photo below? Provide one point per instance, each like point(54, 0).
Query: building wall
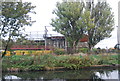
point(82, 44)
point(58, 43)
point(61, 43)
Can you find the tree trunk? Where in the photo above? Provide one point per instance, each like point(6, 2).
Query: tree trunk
point(72, 48)
point(89, 45)
point(6, 47)
point(90, 48)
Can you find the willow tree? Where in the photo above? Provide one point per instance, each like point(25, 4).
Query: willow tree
point(14, 17)
point(69, 15)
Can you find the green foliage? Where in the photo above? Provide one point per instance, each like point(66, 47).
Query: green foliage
point(105, 59)
point(58, 51)
point(100, 24)
point(36, 67)
point(60, 60)
point(48, 61)
point(20, 60)
point(74, 19)
point(14, 16)
point(95, 50)
point(66, 22)
point(84, 50)
point(76, 62)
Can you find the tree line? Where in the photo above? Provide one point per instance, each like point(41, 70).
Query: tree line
point(74, 19)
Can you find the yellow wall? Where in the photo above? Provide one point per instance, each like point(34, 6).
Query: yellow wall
point(27, 52)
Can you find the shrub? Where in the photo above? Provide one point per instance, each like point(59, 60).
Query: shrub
point(71, 63)
point(76, 63)
point(36, 67)
point(84, 50)
point(18, 60)
point(48, 60)
point(95, 50)
point(58, 51)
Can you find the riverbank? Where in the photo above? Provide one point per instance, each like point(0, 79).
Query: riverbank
point(91, 74)
point(61, 62)
point(63, 68)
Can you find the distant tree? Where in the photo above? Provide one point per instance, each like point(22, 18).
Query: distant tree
point(69, 15)
point(22, 40)
point(99, 22)
point(14, 17)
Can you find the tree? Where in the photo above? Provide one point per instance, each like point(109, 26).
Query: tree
point(14, 17)
point(69, 15)
point(75, 19)
point(11, 42)
point(100, 22)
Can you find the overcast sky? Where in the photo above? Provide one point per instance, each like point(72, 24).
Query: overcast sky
point(44, 14)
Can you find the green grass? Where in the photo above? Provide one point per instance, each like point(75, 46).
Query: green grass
point(49, 61)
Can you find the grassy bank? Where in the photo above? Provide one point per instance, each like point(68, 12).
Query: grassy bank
point(50, 62)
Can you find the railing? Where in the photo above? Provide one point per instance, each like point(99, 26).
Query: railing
point(29, 47)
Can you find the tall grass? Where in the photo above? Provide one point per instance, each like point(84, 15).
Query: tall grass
point(48, 61)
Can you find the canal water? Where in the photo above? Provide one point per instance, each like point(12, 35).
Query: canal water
point(67, 75)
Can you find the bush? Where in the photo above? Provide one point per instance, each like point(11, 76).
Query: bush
point(48, 60)
point(95, 51)
point(72, 63)
point(76, 62)
point(36, 67)
point(84, 50)
point(59, 51)
point(19, 60)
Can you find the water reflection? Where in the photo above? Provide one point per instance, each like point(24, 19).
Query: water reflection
point(109, 75)
point(69, 75)
point(11, 77)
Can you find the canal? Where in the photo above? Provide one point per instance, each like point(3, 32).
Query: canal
point(64, 75)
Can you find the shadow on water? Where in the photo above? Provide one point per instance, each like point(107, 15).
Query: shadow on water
point(68, 75)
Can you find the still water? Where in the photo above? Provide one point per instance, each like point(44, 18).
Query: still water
point(92, 74)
